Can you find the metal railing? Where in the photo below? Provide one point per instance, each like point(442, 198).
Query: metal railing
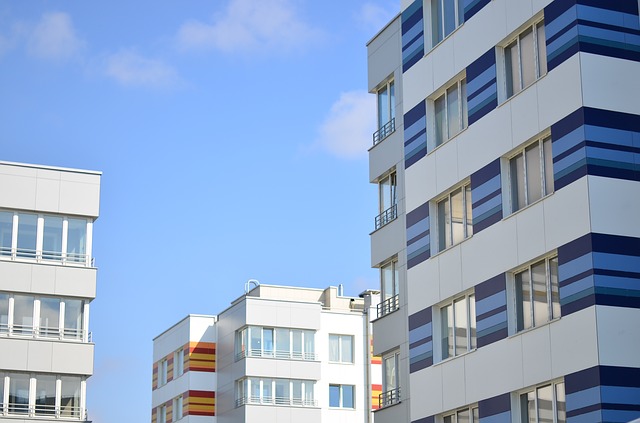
point(273, 400)
point(282, 355)
point(386, 130)
point(388, 398)
point(386, 216)
point(30, 331)
point(44, 410)
point(66, 259)
point(389, 305)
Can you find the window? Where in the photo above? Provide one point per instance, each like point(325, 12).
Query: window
point(255, 341)
point(458, 326)
point(162, 414)
point(23, 314)
point(43, 237)
point(178, 363)
point(49, 317)
point(531, 174)
point(388, 200)
point(446, 16)
point(465, 415)
point(162, 373)
point(386, 112)
point(537, 294)
point(390, 286)
point(4, 312)
point(543, 404)
point(45, 395)
point(341, 396)
point(177, 408)
point(70, 396)
point(455, 222)
point(254, 390)
point(390, 380)
point(450, 112)
point(18, 393)
point(341, 348)
point(525, 59)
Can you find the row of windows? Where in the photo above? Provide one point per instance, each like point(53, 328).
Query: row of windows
point(177, 410)
point(256, 341)
point(178, 367)
point(46, 317)
point(290, 392)
point(541, 404)
point(43, 237)
point(52, 396)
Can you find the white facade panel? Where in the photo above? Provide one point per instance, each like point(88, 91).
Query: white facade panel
point(575, 344)
point(608, 90)
point(618, 336)
point(614, 205)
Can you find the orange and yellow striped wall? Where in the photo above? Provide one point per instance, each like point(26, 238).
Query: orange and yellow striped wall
point(376, 390)
point(194, 403)
point(198, 357)
point(376, 375)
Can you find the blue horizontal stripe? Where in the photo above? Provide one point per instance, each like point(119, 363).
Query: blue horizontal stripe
point(618, 282)
point(555, 26)
point(415, 128)
point(420, 350)
point(591, 417)
point(491, 303)
point(564, 300)
point(488, 331)
point(492, 212)
point(498, 418)
point(489, 206)
point(420, 357)
point(561, 43)
point(416, 253)
point(575, 267)
point(568, 141)
point(619, 416)
point(486, 188)
point(582, 399)
point(616, 262)
point(416, 144)
point(611, 17)
point(576, 287)
point(609, 135)
point(421, 332)
point(417, 229)
point(482, 97)
point(479, 109)
point(420, 244)
point(474, 85)
point(492, 322)
point(569, 160)
point(610, 155)
point(412, 33)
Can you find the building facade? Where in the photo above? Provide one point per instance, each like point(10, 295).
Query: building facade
point(47, 282)
point(508, 161)
point(277, 353)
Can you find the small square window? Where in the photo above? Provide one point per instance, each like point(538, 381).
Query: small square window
point(455, 221)
point(342, 396)
point(341, 348)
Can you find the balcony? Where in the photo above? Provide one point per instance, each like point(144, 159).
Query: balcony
point(388, 306)
point(386, 216)
point(386, 130)
point(389, 398)
point(48, 333)
point(282, 355)
point(53, 257)
point(272, 400)
point(23, 409)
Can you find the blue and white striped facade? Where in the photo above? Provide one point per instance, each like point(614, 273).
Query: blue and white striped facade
point(587, 102)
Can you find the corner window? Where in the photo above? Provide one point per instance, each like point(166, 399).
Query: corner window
point(543, 404)
point(537, 294)
point(341, 348)
point(458, 326)
point(387, 200)
point(525, 59)
point(386, 111)
point(390, 287)
point(342, 396)
point(531, 174)
point(465, 415)
point(446, 16)
point(450, 111)
point(390, 380)
point(455, 222)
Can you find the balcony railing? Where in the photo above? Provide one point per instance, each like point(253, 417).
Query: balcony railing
point(29, 331)
point(386, 216)
point(388, 398)
point(42, 410)
point(386, 130)
point(272, 400)
point(57, 257)
point(282, 355)
point(389, 305)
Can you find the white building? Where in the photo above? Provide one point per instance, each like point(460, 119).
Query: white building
point(47, 281)
point(277, 353)
point(508, 161)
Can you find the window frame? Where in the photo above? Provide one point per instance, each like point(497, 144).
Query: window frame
point(474, 414)
point(243, 344)
point(340, 349)
point(341, 396)
point(178, 363)
point(163, 373)
point(519, 400)
point(387, 212)
point(518, 318)
point(460, 82)
point(390, 394)
point(547, 182)
point(470, 326)
point(438, 32)
point(385, 124)
point(177, 408)
point(244, 388)
point(467, 219)
point(389, 301)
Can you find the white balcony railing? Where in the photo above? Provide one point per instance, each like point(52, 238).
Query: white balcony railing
point(282, 355)
point(29, 331)
point(43, 410)
point(273, 400)
point(55, 257)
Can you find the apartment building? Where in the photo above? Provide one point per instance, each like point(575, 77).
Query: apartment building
point(508, 163)
point(284, 354)
point(47, 282)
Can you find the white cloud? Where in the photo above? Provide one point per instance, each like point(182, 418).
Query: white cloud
point(130, 68)
point(53, 38)
point(374, 17)
point(247, 25)
point(348, 128)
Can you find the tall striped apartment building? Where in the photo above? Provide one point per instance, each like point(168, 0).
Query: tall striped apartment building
point(282, 354)
point(508, 240)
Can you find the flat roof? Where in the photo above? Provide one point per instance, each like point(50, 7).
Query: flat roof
point(58, 168)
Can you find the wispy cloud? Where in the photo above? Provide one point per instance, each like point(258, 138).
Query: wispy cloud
point(129, 68)
point(53, 38)
point(346, 131)
point(373, 16)
point(249, 25)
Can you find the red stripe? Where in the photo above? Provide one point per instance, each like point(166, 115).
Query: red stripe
point(201, 413)
point(202, 394)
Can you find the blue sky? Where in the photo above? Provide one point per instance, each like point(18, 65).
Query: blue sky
point(232, 136)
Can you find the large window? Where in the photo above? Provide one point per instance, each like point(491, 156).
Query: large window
point(41, 395)
point(458, 326)
point(341, 348)
point(390, 380)
point(390, 285)
point(446, 16)
point(43, 237)
point(537, 294)
point(531, 174)
point(342, 396)
point(388, 200)
point(284, 343)
point(44, 317)
point(455, 222)
point(386, 111)
point(543, 404)
point(450, 111)
point(525, 59)
point(255, 390)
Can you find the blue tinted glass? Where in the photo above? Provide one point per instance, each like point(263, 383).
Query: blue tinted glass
point(334, 396)
point(347, 396)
